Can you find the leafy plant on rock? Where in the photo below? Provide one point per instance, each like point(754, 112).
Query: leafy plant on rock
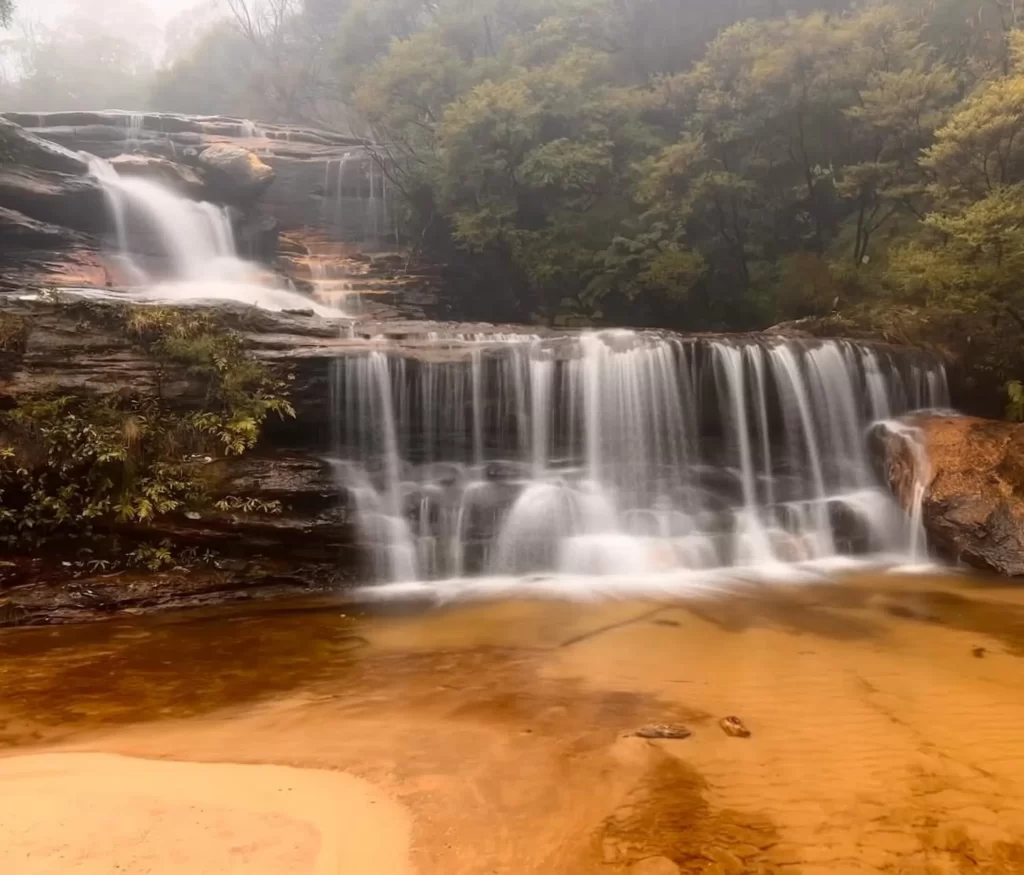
point(71, 464)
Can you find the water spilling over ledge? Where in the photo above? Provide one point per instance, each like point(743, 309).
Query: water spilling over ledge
point(195, 245)
point(622, 454)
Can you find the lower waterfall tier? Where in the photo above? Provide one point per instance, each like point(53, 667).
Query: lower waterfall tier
point(623, 453)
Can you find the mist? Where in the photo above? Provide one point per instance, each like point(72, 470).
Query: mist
point(95, 54)
point(301, 61)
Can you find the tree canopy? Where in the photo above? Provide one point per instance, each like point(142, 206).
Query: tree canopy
point(694, 165)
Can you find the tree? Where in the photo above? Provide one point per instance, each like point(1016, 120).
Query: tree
point(903, 93)
point(75, 67)
point(649, 185)
point(213, 76)
point(981, 148)
point(89, 58)
point(964, 267)
point(266, 59)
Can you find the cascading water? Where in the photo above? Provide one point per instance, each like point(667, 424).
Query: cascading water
point(334, 211)
point(622, 455)
point(172, 248)
point(136, 124)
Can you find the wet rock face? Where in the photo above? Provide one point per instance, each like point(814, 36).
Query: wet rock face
point(18, 146)
point(973, 502)
point(49, 207)
point(24, 231)
point(75, 202)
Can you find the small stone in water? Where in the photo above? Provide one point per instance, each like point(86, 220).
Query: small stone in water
point(734, 726)
point(979, 652)
point(663, 730)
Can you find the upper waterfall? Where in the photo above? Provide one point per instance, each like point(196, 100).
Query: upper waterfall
point(624, 453)
point(170, 248)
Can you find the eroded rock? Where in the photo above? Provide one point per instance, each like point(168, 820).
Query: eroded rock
point(972, 507)
point(235, 174)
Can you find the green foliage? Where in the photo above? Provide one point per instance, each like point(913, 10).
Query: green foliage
point(600, 187)
point(248, 505)
point(687, 165)
point(240, 393)
point(72, 464)
point(864, 160)
point(153, 557)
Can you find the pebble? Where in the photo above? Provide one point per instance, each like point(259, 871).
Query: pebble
point(663, 730)
point(734, 726)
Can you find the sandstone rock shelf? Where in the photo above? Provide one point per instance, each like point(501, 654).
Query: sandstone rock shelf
point(973, 501)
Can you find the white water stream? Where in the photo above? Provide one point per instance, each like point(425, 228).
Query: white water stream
point(623, 456)
point(173, 249)
point(605, 459)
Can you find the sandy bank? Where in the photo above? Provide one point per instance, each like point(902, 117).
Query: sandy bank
point(97, 814)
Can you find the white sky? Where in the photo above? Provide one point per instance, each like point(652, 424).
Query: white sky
point(155, 11)
point(143, 21)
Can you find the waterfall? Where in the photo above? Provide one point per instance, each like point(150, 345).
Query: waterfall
point(913, 439)
point(623, 453)
point(334, 213)
point(173, 248)
point(136, 124)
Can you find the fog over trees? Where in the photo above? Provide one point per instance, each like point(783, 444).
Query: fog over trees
point(691, 163)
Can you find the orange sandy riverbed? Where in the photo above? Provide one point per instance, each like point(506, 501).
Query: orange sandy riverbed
point(886, 717)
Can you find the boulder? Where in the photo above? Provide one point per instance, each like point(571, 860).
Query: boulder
point(234, 174)
point(972, 474)
point(178, 177)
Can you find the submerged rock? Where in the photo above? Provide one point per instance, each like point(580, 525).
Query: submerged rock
point(664, 730)
point(734, 726)
point(972, 505)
